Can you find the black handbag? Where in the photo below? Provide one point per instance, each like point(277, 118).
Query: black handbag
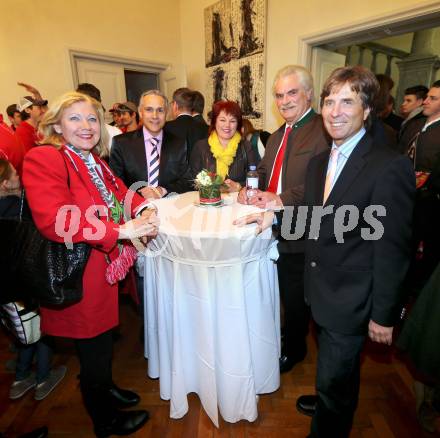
point(32, 266)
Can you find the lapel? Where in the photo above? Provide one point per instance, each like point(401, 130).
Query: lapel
point(164, 153)
point(351, 170)
point(295, 141)
point(139, 155)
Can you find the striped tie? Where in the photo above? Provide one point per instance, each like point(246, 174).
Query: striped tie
point(153, 165)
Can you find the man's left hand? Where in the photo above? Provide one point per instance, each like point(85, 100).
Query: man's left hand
point(152, 192)
point(379, 333)
point(266, 200)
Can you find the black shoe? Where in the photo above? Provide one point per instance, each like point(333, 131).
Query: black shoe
point(288, 362)
point(306, 404)
point(41, 432)
point(123, 423)
point(123, 398)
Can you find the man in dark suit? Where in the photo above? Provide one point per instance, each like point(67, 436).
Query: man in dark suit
point(281, 179)
point(151, 154)
point(198, 106)
point(357, 247)
point(184, 126)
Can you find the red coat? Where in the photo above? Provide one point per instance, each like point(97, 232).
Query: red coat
point(47, 189)
point(11, 147)
point(28, 135)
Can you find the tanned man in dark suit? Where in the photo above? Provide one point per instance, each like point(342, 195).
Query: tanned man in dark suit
point(357, 247)
point(151, 154)
point(281, 178)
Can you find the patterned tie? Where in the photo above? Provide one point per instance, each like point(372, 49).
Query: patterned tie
point(331, 173)
point(273, 183)
point(153, 165)
point(412, 150)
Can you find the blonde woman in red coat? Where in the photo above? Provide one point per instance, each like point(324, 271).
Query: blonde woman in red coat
point(74, 197)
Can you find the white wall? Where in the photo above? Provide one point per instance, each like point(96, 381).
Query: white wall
point(35, 36)
point(287, 22)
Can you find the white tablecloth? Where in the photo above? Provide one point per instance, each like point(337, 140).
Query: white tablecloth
point(211, 309)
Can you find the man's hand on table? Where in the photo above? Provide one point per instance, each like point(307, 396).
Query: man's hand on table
point(261, 199)
point(263, 220)
point(150, 192)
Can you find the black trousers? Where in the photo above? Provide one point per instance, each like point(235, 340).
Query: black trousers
point(337, 383)
point(296, 312)
point(95, 358)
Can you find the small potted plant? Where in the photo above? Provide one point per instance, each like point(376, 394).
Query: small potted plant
point(209, 185)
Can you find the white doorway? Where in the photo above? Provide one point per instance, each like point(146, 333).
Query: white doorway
point(424, 16)
point(119, 78)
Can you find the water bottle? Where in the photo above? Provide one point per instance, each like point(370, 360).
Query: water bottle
point(251, 182)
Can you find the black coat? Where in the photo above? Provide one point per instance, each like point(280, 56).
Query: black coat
point(188, 129)
point(349, 282)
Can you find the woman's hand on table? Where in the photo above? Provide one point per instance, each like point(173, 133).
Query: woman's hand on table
point(145, 225)
point(263, 220)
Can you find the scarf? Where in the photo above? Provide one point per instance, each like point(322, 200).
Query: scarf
point(224, 156)
point(118, 268)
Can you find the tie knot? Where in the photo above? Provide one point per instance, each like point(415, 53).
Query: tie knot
point(154, 142)
point(334, 153)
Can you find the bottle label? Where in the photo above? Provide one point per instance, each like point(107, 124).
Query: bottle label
point(252, 182)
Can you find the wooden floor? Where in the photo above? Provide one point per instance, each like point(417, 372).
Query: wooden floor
point(386, 406)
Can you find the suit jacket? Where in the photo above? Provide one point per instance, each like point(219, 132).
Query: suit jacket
point(304, 142)
point(202, 158)
point(349, 282)
point(129, 162)
point(188, 129)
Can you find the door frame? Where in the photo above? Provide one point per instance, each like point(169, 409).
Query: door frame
point(402, 21)
point(127, 63)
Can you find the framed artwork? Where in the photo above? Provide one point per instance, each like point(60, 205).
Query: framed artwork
point(235, 32)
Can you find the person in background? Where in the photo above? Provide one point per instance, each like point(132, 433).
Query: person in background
point(11, 147)
point(128, 117)
point(257, 138)
point(14, 116)
point(198, 106)
point(116, 115)
point(46, 378)
point(389, 117)
point(412, 101)
point(414, 119)
point(281, 177)
point(32, 111)
point(74, 133)
point(94, 92)
point(183, 124)
point(224, 151)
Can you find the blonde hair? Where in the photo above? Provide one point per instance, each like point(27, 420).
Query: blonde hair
point(54, 115)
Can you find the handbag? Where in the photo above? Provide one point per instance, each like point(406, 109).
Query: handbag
point(39, 268)
point(22, 322)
